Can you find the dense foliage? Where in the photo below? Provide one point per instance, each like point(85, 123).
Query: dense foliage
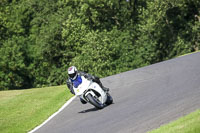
point(39, 39)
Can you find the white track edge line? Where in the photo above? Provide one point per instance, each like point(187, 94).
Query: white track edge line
point(65, 105)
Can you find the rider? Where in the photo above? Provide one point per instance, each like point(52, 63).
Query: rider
point(73, 73)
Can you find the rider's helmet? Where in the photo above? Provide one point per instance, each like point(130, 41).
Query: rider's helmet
point(72, 72)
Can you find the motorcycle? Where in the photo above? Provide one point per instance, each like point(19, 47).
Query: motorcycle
point(91, 92)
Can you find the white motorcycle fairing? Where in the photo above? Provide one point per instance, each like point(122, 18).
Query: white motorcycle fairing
point(88, 87)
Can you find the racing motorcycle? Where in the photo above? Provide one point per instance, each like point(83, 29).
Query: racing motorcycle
point(91, 92)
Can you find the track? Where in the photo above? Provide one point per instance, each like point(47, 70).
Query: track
point(144, 99)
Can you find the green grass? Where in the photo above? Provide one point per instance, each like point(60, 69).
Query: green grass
point(22, 110)
point(189, 53)
point(187, 124)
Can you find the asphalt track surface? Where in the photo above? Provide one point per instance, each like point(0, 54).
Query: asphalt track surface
point(144, 99)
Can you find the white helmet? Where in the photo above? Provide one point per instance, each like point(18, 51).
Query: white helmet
point(72, 72)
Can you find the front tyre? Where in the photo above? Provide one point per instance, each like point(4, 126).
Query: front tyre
point(94, 101)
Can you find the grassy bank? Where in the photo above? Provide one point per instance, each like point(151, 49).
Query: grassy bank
point(186, 124)
point(22, 110)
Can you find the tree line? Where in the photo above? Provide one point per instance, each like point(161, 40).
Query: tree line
point(40, 39)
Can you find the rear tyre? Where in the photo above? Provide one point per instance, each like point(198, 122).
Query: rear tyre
point(109, 99)
point(94, 101)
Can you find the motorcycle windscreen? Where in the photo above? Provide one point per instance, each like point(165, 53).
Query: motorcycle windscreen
point(77, 81)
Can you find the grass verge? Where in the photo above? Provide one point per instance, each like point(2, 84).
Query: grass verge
point(22, 110)
point(187, 124)
point(189, 53)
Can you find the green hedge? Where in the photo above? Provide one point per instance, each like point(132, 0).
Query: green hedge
point(39, 39)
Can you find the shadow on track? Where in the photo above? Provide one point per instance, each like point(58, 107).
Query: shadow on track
point(93, 109)
point(89, 110)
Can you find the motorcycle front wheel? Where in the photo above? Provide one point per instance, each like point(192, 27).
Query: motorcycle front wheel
point(94, 101)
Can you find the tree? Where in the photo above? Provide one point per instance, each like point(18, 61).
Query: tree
point(14, 70)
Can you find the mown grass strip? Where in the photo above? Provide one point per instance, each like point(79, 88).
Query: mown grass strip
point(22, 110)
point(189, 53)
point(187, 124)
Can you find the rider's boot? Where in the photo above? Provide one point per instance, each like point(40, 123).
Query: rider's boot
point(97, 80)
point(103, 87)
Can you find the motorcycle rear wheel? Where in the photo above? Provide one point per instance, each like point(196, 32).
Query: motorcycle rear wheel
point(109, 99)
